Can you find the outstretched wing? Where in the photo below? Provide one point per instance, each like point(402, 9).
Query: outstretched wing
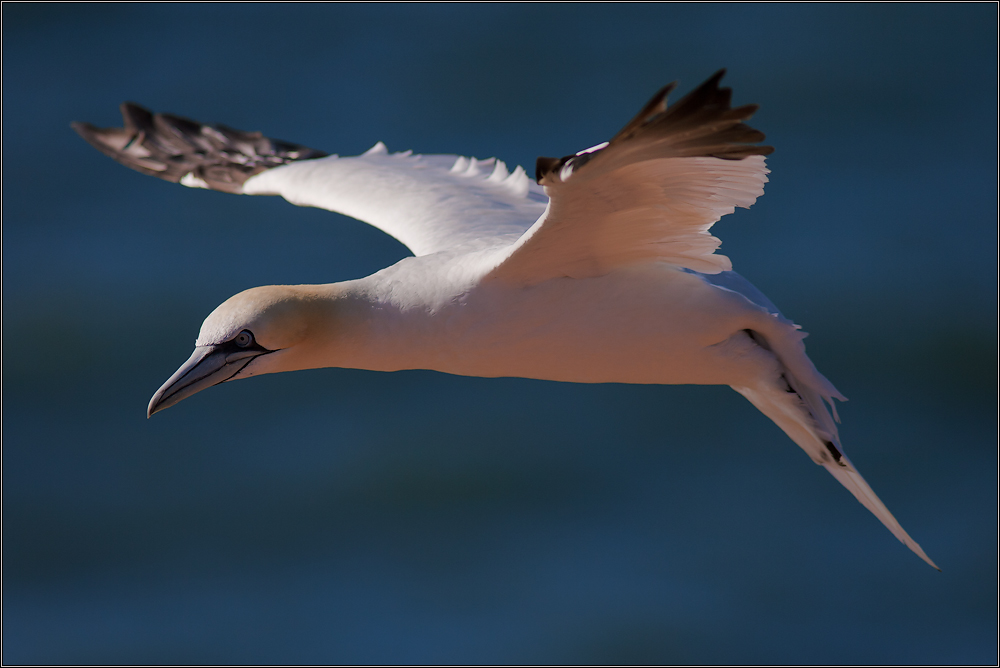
point(428, 202)
point(651, 193)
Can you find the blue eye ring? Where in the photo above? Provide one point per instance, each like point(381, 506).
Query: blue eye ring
point(244, 338)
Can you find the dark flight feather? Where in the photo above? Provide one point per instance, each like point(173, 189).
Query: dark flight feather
point(700, 124)
point(171, 147)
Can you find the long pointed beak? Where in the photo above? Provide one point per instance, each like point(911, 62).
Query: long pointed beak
point(207, 366)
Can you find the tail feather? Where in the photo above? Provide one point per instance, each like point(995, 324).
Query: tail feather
point(799, 410)
point(853, 481)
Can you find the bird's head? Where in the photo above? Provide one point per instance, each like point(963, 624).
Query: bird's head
point(261, 330)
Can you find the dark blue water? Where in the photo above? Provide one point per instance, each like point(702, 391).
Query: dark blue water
point(340, 516)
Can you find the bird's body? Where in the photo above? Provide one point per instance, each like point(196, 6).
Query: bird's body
point(650, 324)
point(603, 271)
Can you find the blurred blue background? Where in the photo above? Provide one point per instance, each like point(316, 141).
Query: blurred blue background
point(347, 516)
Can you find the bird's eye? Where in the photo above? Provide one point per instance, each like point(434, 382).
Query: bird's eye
point(244, 338)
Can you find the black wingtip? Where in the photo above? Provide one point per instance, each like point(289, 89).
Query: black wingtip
point(656, 105)
point(170, 147)
point(702, 123)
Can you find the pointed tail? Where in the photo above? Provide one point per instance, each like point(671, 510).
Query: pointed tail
point(794, 408)
point(852, 480)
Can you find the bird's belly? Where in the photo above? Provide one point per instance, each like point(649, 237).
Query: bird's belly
point(646, 325)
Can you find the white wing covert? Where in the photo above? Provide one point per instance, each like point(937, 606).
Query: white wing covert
point(651, 193)
point(428, 202)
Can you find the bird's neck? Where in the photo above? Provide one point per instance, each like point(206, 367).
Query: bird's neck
point(366, 325)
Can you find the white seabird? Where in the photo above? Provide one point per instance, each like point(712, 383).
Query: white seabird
point(603, 271)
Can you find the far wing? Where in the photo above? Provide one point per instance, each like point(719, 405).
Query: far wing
point(428, 202)
point(651, 193)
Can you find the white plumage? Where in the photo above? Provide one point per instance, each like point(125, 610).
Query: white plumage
point(603, 271)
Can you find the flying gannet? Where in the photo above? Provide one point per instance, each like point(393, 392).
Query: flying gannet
point(602, 271)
